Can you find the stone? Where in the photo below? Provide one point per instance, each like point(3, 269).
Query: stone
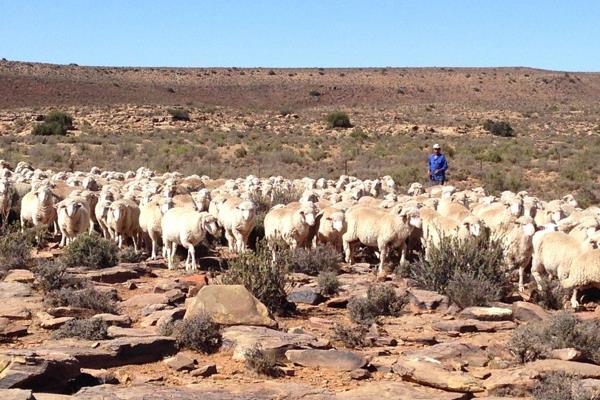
point(149, 309)
point(11, 290)
point(525, 312)
point(568, 354)
point(384, 390)
point(205, 371)
point(19, 275)
point(74, 312)
point(175, 296)
point(195, 279)
point(487, 313)
point(119, 274)
point(102, 375)
point(305, 296)
point(576, 369)
point(116, 332)
point(55, 323)
point(16, 394)
point(426, 300)
point(114, 320)
point(26, 369)
point(330, 359)
point(338, 302)
point(433, 374)
point(321, 322)
point(143, 300)
point(242, 338)
point(230, 305)
point(460, 326)
point(181, 362)
point(421, 338)
point(359, 374)
point(12, 329)
point(164, 316)
point(448, 352)
point(516, 381)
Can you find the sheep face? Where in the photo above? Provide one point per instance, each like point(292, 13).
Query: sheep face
point(472, 225)
point(3, 187)
point(247, 209)
point(166, 205)
point(411, 216)
point(337, 221)
point(516, 207)
point(308, 214)
point(72, 207)
point(210, 224)
point(44, 194)
point(527, 225)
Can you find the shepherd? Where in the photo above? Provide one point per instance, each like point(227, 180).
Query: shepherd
point(437, 166)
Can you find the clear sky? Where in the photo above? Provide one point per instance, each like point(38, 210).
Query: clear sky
point(552, 34)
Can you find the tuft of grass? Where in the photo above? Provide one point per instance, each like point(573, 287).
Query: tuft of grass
point(352, 336)
point(328, 282)
point(88, 329)
point(381, 300)
point(199, 333)
point(313, 260)
point(262, 362)
point(91, 251)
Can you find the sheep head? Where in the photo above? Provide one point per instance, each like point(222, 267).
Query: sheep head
point(73, 207)
point(472, 225)
point(247, 209)
point(308, 213)
point(209, 223)
point(410, 216)
point(527, 224)
point(44, 194)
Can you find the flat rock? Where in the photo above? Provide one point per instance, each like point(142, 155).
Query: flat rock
point(11, 290)
point(426, 300)
point(164, 316)
point(20, 275)
point(338, 302)
point(459, 325)
point(384, 390)
point(433, 374)
point(243, 338)
point(117, 331)
point(205, 370)
point(16, 394)
point(359, 374)
point(114, 320)
point(448, 352)
point(119, 274)
point(55, 323)
point(305, 296)
point(330, 359)
point(568, 354)
point(487, 313)
point(70, 312)
point(143, 300)
point(11, 329)
point(19, 308)
point(180, 362)
point(525, 312)
point(26, 369)
point(573, 368)
point(230, 305)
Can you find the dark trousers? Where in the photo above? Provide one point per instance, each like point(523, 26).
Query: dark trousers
point(433, 182)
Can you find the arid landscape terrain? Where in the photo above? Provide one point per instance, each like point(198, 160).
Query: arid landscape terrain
point(93, 321)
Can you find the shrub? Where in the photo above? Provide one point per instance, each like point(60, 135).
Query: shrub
point(561, 386)
point(52, 275)
point(91, 251)
point(49, 129)
point(535, 340)
point(240, 152)
point(15, 250)
point(314, 93)
point(265, 279)
point(352, 336)
point(328, 283)
point(314, 260)
point(470, 272)
point(179, 114)
point(199, 333)
point(88, 329)
point(262, 362)
point(88, 297)
point(338, 119)
point(61, 118)
point(168, 328)
point(129, 255)
point(498, 128)
point(381, 300)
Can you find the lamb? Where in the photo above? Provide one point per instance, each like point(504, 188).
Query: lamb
point(332, 226)
point(584, 271)
point(518, 244)
point(123, 221)
point(186, 227)
point(151, 213)
point(237, 218)
point(385, 229)
point(292, 225)
point(37, 207)
point(553, 253)
point(73, 218)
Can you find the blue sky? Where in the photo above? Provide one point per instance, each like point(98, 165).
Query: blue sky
point(561, 35)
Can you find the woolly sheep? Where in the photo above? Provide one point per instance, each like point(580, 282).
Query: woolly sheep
point(517, 241)
point(332, 225)
point(73, 218)
point(237, 218)
point(186, 227)
point(37, 207)
point(123, 221)
point(584, 271)
point(290, 224)
point(151, 213)
point(5, 200)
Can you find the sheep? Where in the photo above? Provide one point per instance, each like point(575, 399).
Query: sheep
point(151, 213)
point(73, 218)
point(237, 218)
point(292, 225)
point(332, 225)
point(37, 208)
point(5, 201)
point(499, 214)
point(416, 189)
point(553, 253)
point(385, 229)
point(518, 244)
point(123, 221)
point(101, 212)
point(584, 271)
point(186, 227)
point(202, 199)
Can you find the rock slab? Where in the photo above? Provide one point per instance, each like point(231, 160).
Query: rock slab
point(330, 359)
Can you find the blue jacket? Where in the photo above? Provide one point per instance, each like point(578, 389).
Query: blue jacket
point(438, 162)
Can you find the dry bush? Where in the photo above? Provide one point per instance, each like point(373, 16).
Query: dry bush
point(262, 362)
point(561, 386)
point(88, 297)
point(381, 300)
point(91, 251)
point(313, 260)
point(329, 283)
point(88, 329)
point(338, 119)
point(352, 336)
point(129, 255)
point(198, 333)
point(15, 249)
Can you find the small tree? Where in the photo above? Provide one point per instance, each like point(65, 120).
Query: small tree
point(499, 128)
point(55, 123)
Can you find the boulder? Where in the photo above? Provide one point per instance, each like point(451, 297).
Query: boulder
point(117, 331)
point(525, 312)
point(11, 329)
point(487, 313)
point(567, 354)
point(181, 362)
point(426, 300)
point(435, 375)
point(448, 352)
point(230, 305)
point(11, 290)
point(158, 318)
point(18, 308)
point(330, 359)
point(205, 371)
point(243, 338)
point(114, 320)
point(305, 296)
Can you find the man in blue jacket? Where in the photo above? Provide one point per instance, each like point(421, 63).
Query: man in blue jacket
point(437, 166)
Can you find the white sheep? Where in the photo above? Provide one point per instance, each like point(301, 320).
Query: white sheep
point(73, 218)
point(185, 227)
point(332, 225)
point(151, 213)
point(517, 241)
point(6, 195)
point(584, 271)
point(237, 218)
point(290, 224)
point(385, 229)
point(123, 221)
point(37, 208)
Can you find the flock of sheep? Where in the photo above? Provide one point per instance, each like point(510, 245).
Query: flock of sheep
point(556, 238)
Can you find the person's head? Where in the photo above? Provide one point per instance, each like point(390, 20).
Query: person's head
point(437, 149)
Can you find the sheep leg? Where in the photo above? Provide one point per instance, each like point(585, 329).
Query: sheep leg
point(521, 274)
point(347, 250)
point(240, 244)
point(536, 269)
point(403, 250)
point(135, 242)
point(574, 302)
point(383, 252)
point(230, 240)
point(153, 249)
point(190, 262)
point(172, 254)
point(120, 240)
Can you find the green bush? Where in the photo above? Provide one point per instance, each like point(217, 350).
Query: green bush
point(88, 297)
point(338, 119)
point(87, 329)
point(499, 128)
point(328, 283)
point(561, 386)
point(240, 152)
point(55, 123)
point(265, 279)
point(313, 260)
point(61, 118)
point(129, 255)
point(178, 114)
point(381, 300)
point(469, 272)
point(262, 362)
point(199, 333)
point(536, 339)
point(91, 251)
point(352, 336)
point(15, 250)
